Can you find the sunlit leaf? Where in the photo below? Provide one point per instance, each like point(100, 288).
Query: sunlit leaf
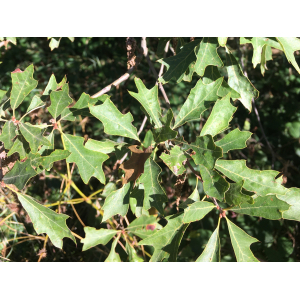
point(197, 211)
point(8, 134)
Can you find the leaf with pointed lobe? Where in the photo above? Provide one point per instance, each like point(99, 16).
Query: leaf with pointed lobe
point(206, 54)
point(268, 207)
point(132, 255)
point(178, 64)
point(214, 184)
point(292, 197)
point(197, 211)
point(136, 201)
point(241, 242)
point(235, 196)
point(45, 150)
point(222, 41)
point(94, 237)
point(35, 103)
point(188, 75)
point(134, 167)
point(235, 139)
point(113, 255)
point(20, 146)
point(175, 160)
point(59, 101)
point(239, 82)
point(117, 202)
point(88, 162)
point(194, 197)
point(265, 56)
point(212, 250)
point(155, 195)
point(149, 100)
point(46, 221)
point(198, 101)
point(20, 174)
point(53, 85)
point(221, 115)
point(34, 136)
point(8, 134)
point(260, 182)
point(115, 123)
point(22, 84)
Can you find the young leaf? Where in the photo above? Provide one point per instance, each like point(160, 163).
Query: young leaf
point(34, 136)
point(149, 100)
point(115, 123)
point(206, 152)
point(198, 101)
point(207, 55)
point(178, 64)
point(197, 211)
point(268, 207)
point(219, 118)
point(167, 240)
point(22, 84)
point(117, 202)
point(260, 182)
point(88, 162)
point(95, 237)
point(211, 253)
point(8, 134)
point(59, 101)
point(239, 82)
point(214, 184)
point(292, 197)
point(234, 195)
point(46, 221)
point(155, 196)
point(235, 139)
point(20, 146)
point(289, 46)
point(134, 167)
point(175, 160)
point(113, 255)
point(241, 242)
point(165, 132)
point(20, 174)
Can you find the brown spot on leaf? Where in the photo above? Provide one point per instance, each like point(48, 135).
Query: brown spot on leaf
point(150, 227)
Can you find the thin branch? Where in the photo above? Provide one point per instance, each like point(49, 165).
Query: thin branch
point(193, 170)
point(142, 125)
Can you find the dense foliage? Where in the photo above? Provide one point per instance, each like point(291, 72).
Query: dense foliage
point(190, 153)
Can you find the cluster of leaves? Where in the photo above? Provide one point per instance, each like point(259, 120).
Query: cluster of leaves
point(238, 189)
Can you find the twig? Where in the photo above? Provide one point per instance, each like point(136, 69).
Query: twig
point(193, 170)
point(145, 52)
point(142, 126)
point(162, 65)
point(43, 250)
point(75, 211)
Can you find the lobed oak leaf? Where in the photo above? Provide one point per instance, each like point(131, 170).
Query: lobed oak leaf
point(134, 167)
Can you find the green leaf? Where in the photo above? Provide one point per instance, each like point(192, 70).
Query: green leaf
point(165, 132)
point(206, 54)
point(198, 101)
point(12, 40)
point(95, 237)
point(22, 84)
point(178, 64)
point(46, 221)
point(175, 160)
point(54, 43)
point(46, 149)
point(289, 46)
point(197, 211)
point(214, 184)
point(241, 242)
point(239, 82)
point(113, 255)
point(132, 255)
point(260, 182)
point(8, 134)
point(106, 146)
point(211, 253)
point(212, 74)
point(268, 207)
point(219, 118)
point(149, 139)
point(20, 174)
point(136, 201)
point(206, 151)
point(194, 197)
point(20, 146)
point(235, 139)
point(117, 202)
point(88, 162)
point(155, 196)
point(222, 41)
point(162, 42)
point(167, 240)
point(47, 161)
point(53, 85)
point(141, 223)
point(234, 195)
point(188, 75)
point(149, 100)
point(59, 101)
point(292, 197)
point(265, 56)
point(35, 102)
point(115, 123)
point(34, 136)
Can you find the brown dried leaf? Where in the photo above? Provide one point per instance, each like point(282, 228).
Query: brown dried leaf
point(134, 167)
